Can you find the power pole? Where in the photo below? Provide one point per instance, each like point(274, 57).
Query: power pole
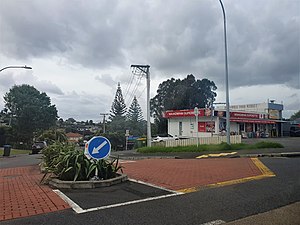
point(144, 70)
point(104, 114)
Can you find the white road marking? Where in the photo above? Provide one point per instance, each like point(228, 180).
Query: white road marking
point(96, 150)
point(79, 210)
point(74, 206)
point(130, 202)
point(155, 186)
point(215, 222)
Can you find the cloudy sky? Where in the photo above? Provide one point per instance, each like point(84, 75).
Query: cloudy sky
point(80, 50)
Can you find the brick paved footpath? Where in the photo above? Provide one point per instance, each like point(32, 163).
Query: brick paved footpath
point(21, 194)
point(178, 174)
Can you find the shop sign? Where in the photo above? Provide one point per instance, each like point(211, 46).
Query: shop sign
point(210, 126)
point(243, 115)
point(273, 114)
point(206, 126)
point(182, 113)
point(201, 127)
point(252, 121)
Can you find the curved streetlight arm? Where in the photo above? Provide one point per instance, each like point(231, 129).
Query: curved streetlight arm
point(226, 78)
point(16, 67)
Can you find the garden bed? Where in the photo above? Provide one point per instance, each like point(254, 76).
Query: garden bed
point(87, 184)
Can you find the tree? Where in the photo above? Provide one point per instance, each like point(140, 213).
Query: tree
point(135, 120)
point(118, 107)
point(117, 112)
point(135, 113)
point(70, 121)
point(30, 111)
point(53, 135)
point(181, 94)
point(295, 116)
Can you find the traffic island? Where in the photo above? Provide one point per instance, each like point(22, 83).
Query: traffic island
point(87, 184)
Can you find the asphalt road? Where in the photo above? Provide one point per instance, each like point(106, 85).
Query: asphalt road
point(20, 160)
point(227, 204)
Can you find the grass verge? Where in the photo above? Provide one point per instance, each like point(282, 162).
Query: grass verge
point(16, 152)
point(220, 147)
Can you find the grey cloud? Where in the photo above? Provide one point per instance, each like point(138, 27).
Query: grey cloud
point(106, 79)
point(173, 37)
point(81, 106)
point(48, 87)
point(6, 81)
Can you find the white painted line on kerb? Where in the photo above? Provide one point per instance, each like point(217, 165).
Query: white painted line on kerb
point(74, 206)
point(155, 186)
point(215, 222)
point(126, 161)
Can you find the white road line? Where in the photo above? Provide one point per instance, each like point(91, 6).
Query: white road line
point(215, 222)
point(74, 206)
point(155, 186)
point(129, 203)
point(79, 210)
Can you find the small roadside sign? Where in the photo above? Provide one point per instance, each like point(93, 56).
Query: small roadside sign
point(97, 148)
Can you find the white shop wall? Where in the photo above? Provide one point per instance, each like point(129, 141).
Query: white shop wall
point(189, 127)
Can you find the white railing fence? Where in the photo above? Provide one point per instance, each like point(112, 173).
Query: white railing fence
point(234, 139)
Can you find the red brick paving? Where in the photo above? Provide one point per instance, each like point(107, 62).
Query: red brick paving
point(176, 174)
point(21, 194)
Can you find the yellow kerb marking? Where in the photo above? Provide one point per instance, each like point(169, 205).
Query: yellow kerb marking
point(264, 170)
point(215, 155)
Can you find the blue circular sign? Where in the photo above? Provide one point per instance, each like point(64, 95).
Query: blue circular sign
point(98, 147)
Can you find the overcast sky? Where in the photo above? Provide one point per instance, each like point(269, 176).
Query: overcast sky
point(80, 50)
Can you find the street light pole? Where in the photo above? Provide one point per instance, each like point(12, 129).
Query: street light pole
point(226, 78)
point(16, 67)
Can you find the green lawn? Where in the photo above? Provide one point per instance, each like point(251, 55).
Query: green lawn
point(16, 152)
point(219, 147)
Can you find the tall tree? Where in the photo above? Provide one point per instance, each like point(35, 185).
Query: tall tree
point(118, 107)
point(181, 94)
point(117, 112)
point(295, 116)
point(135, 121)
point(135, 113)
point(30, 110)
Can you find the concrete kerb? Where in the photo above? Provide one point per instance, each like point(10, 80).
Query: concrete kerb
point(282, 154)
point(55, 182)
point(87, 184)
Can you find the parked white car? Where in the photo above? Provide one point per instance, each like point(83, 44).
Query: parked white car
point(160, 139)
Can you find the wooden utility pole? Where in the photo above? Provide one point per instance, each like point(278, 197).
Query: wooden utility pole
point(104, 114)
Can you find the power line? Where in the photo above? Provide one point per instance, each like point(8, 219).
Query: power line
point(142, 92)
point(129, 85)
point(134, 89)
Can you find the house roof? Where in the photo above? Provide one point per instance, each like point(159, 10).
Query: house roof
point(70, 135)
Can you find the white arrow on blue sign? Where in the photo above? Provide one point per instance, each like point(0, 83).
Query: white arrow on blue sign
point(98, 148)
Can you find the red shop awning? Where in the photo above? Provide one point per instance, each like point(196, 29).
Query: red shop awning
point(253, 121)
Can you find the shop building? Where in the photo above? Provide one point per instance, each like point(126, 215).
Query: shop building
point(252, 120)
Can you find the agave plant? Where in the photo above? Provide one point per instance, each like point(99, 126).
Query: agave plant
point(69, 163)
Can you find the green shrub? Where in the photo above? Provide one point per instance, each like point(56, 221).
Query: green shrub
point(69, 163)
point(225, 146)
point(264, 144)
point(219, 147)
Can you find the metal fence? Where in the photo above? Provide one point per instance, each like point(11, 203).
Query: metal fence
point(234, 139)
